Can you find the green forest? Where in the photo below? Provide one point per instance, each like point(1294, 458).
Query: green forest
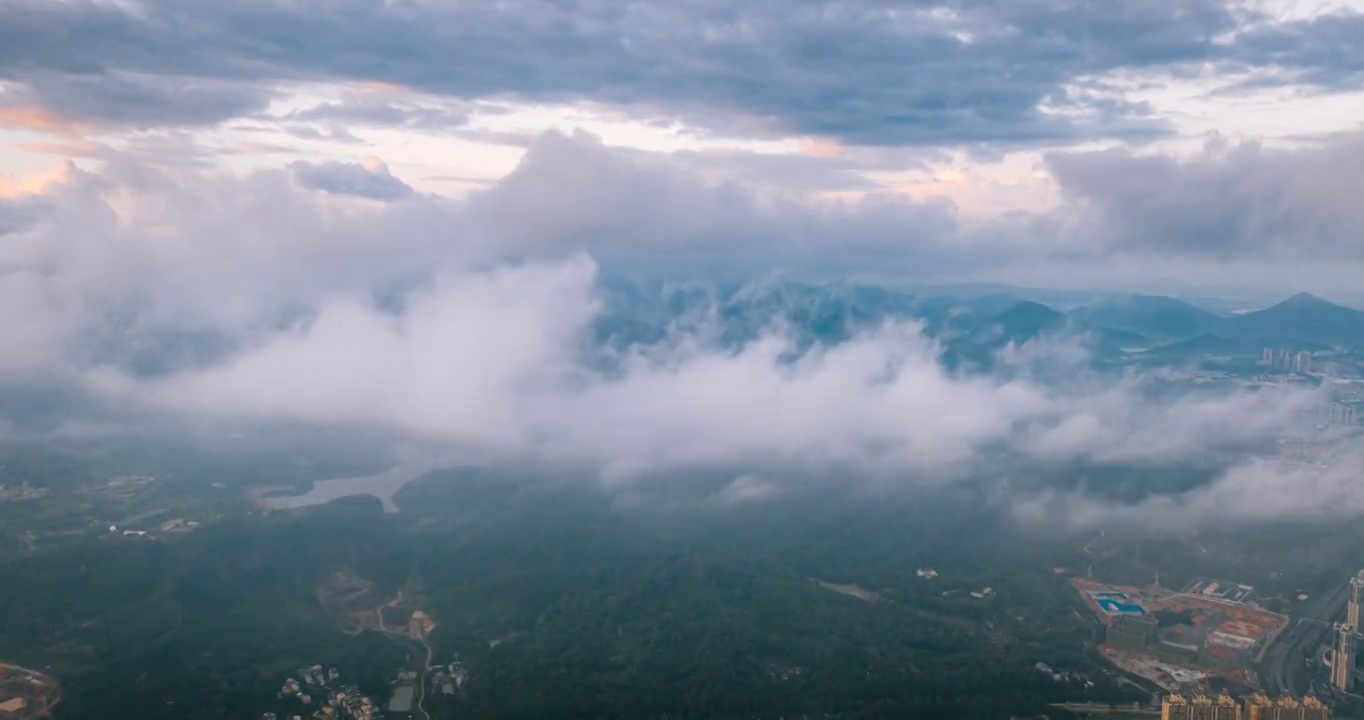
point(565, 602)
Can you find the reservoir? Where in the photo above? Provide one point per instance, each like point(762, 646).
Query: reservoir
point(382, 485)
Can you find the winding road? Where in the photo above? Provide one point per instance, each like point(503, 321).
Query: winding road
point(421, 682)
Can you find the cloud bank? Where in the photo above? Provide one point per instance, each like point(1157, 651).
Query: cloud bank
point(277, 295)
point(1256, 489)
point(864, 71)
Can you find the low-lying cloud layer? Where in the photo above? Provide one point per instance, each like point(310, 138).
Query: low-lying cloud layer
point(495, 362)
point(1254, 489)
point(470, 323)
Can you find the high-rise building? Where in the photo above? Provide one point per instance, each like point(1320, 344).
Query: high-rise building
point(1303, 362)
point(1343, 659)
point(1267, 359)
point(1199, 707)
point(1285, 360)
point(1352, 610)
point(416, 627)
point(1260, 707)
point(1342, 413)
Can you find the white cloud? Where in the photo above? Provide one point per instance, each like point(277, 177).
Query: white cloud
point(487, 347)
point(493, 361)
point(743, 490)
point(1254, 489)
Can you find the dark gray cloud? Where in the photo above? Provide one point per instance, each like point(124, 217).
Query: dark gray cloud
point(370, 112)
point(866, 71)
point(1326, 51)
point(136, 100)
point(1228, 202)
point(335, 120)
point(343, 178)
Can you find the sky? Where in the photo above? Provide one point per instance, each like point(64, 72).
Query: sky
point(253, 174)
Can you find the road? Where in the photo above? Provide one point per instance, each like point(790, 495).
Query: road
point(421, 682)
point(1283, 665)
point(1082, 709)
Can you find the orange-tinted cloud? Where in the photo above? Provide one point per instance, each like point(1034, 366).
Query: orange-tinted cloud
point(379, 87)
point(820, 147)
point(35, 182)
point(34, 117)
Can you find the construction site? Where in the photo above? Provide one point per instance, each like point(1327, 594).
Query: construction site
point(1180, 638)
point(26, 694)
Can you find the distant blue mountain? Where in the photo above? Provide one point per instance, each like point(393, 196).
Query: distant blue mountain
point(1026, 321)
point(1160, 318)
point(828, 314)
point(1029, 320)
point(1303, 318)
point(972, 329)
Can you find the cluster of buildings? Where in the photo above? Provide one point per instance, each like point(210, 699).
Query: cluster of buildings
point(1288, 361)
point(170, 527)
point(1339, 413)
point(124, 487)
point(420, 625)
point(449, 678)
point(179, 525)
point(21, 493)
point(1257, 707)
point(334, 700)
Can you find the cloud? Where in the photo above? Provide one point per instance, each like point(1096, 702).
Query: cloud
point(1110, 426)
point(32, 117)
point(236, 252)
point(863, 71)
point(1255, 489)
point(368, 180)
point(121, 100)
point(385, 114)
point(803, 173)
point(16, 214)
point(243, 253)
point(1325, 51)
point(1230, 201)
point(743, 490)
point(495, 363)
point(472, 324)
point(130, 253)
point(648, 210)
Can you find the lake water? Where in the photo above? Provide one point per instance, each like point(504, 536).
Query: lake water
point(383, 486)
